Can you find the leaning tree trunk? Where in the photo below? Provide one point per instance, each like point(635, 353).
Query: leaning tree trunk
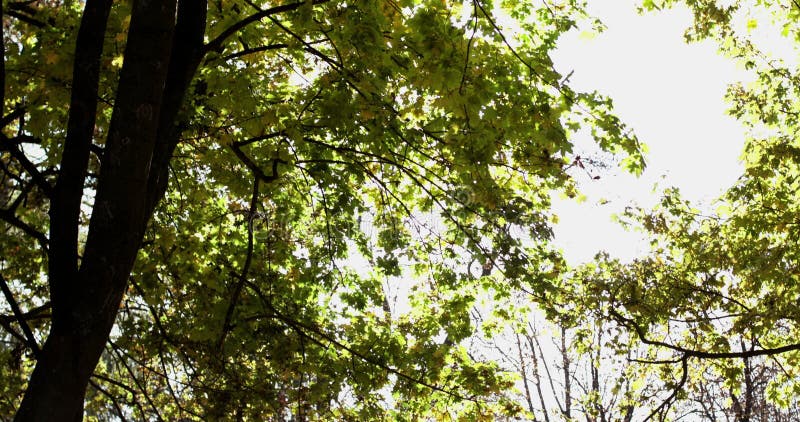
point(85, 297)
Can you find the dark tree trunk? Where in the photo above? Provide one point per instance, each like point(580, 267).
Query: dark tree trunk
point(86, 296)
point(164, 49)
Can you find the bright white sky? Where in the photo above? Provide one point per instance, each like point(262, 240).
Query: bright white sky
point(671, 94)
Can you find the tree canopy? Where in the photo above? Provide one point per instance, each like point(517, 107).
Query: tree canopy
point(317, 209)
point(199, 176)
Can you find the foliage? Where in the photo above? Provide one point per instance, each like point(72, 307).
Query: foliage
point(358, 197)
point(716, 298)
point(417, 137)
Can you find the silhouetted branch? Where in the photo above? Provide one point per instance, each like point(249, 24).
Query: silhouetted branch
point(11, 145)
point(111, 397)
point(254, 50)
point(640, 332)
point(217, 42)
point(25, 18)
point(13, 115)
point(242, 277)
point(246, 142)
point(9, 217)
point(257, 171)
point(38, 312)
point(137, 382)
point(30, 339)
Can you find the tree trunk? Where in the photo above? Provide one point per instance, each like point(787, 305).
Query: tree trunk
point(58, 384)
point(86, 300)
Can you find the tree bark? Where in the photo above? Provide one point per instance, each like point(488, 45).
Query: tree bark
point(86, 300)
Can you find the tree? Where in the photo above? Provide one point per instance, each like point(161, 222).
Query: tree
point(576, 375)
point(184, 182)
point(717, 295)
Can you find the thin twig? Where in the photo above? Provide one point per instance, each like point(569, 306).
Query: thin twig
point(257, 171)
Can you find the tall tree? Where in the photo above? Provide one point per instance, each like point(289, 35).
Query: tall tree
point(186, 185)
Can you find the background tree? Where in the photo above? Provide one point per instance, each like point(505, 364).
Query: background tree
point(569, 372)
point(716, 298)
point(186, 184)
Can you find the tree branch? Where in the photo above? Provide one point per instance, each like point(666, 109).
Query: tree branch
point(254, 50)
point(33, 314)
point(136, 381)
point(255, 139)
point(242, 277)
point(640, 332)
point(10, 217)
point(190, 29)
point(308, 47)
point(13, 115)
point(23, 6)
point(25, 18)
point(31, 340)
point(257, 171)
point(2, 64)
point(499, 32)
point(30, 168)
point(216, 43)
point(114, 382)
point(110, 397)
point(668, 401)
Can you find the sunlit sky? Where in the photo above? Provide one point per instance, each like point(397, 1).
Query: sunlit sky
point(671, 94)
